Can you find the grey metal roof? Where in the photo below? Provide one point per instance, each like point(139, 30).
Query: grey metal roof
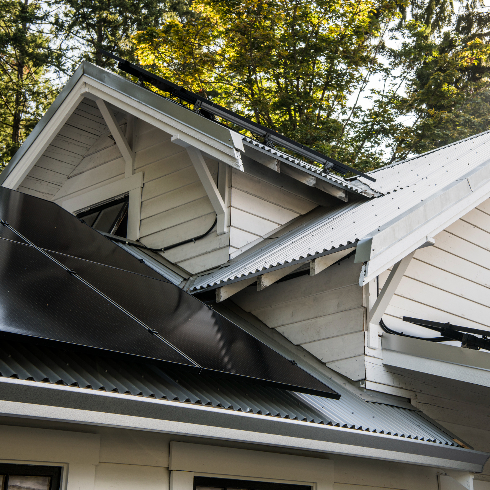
point(110, 374)
point(404, 186)
point(318, 172)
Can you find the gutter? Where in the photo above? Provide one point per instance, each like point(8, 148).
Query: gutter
point(33, 400)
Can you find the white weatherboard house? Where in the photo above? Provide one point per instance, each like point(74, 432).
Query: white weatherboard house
point(299, 258)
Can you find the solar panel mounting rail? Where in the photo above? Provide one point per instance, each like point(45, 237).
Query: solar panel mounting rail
point(209, 108)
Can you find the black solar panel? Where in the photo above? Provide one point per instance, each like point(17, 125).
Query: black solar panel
point(60, 296)
point(51, 227)
point(40, 299)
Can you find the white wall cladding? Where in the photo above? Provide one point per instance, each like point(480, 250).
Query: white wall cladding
point(128, 459)
point(175, 206)
point(259, 207)
point(450, 281)
point(323, 313)
point(81, 131)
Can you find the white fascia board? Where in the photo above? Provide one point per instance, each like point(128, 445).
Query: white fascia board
point(95, 89)
point(17, 170)
point(95, 82)
point(446, 361)
point(33, 400)
point(383, 248)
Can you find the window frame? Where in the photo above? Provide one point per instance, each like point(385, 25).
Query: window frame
point(122, 214)
point(55, 472)
point(242, 484)
point(188, 460)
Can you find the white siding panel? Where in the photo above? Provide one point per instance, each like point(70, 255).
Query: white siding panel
point(207, 244)
point(253, 224)
point(239, 238)
point(321, 304)
point(337, 348)
point(470, 233)
point(96, 159)
point(176, 216)
point(442, 300)
point(55, 165)
point(260, 207)
point(92, 177)
point(156, 152)
point(172, 199)
point(324, 327)
point(169, 183)
point(179, 233)
point(274, 194)
point(205, 261)
point(166, 166)
point(40, 186)
point(47, 175)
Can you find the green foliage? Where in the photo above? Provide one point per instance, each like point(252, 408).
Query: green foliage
point(447, 94)
point(88, 25)
point(304, 69)
point(288, 64)
point(26, 90)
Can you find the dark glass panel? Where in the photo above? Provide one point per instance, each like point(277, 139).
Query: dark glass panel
point(51, 227)
point(40, 299)
point(201, 333)
point(20, 482)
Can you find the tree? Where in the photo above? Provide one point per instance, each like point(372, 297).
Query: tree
point(288, 64)
point(89, 25)
point(26, 89)
point(448, 93)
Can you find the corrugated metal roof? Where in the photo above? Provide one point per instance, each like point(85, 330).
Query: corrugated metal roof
point(351, 185)
point(405, 185)
point(110, 374)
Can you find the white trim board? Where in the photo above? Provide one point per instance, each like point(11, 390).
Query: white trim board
point(101, 194)
point(207, 460)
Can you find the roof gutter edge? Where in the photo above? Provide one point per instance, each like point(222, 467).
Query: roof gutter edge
point(32, 400)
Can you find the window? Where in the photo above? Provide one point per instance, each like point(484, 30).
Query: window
point(205, 483)
point(29, 477)
point(111, 217)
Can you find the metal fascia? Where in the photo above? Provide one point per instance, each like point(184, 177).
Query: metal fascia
point(34, 400)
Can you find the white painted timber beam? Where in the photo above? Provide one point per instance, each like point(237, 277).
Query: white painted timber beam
point(384, 298)
point(226, 292)
point(117, 134)
point(265, 280)
point(208, 183)
point(273, 164)
point(332, 190)
point(298, 175)
point(321, 263)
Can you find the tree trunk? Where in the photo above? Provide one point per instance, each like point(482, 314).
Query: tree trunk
point(18, 105)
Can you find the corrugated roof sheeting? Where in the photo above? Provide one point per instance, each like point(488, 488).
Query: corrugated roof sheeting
point(406, 185)
point(110, 374)
point(352, 185)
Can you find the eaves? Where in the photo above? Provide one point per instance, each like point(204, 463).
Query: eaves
point(445, 361)
point(94, 82)
point(394, 240)
point(66, 404)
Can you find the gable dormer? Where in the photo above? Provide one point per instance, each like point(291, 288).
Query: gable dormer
point(197, 192)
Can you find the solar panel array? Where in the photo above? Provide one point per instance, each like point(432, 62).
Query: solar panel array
point(63, 281)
